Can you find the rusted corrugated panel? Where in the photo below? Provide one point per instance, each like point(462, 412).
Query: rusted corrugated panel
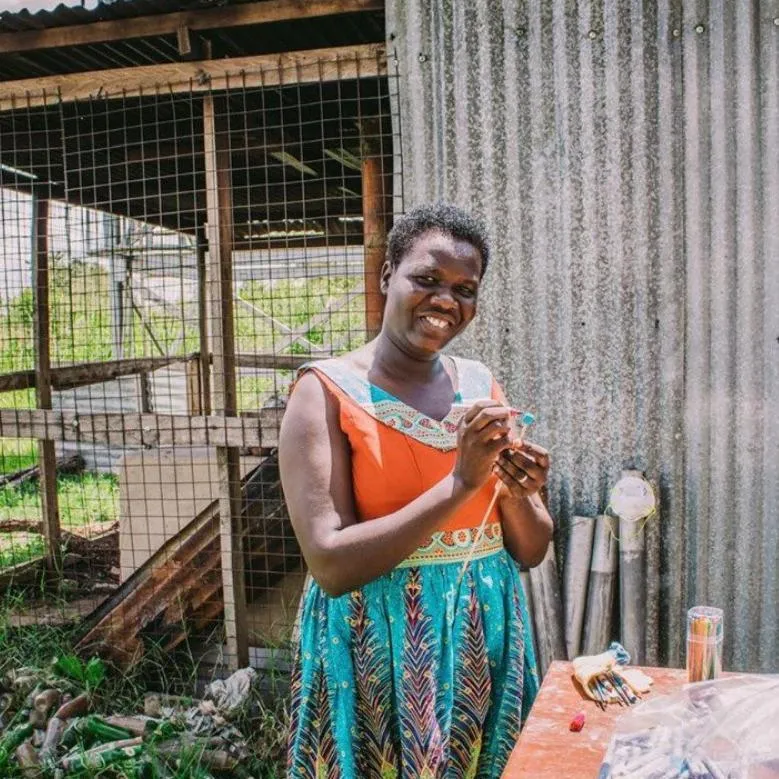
point(626, 156)
point(178, 588)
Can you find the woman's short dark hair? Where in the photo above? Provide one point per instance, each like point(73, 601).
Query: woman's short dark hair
point(442, 217)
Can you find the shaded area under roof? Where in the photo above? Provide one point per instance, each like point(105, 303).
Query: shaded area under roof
point(294, 156)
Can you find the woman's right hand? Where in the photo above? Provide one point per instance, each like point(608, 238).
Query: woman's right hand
point(485, 431)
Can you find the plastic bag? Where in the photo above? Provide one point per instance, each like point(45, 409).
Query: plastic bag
point(727, 728)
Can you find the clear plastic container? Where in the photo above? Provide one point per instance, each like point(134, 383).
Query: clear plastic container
point(723, 729)
point(705, 631)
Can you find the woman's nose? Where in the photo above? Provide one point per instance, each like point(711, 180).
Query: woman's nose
point(444, 298)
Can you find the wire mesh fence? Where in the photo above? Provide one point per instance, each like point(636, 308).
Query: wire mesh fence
point(169, 257)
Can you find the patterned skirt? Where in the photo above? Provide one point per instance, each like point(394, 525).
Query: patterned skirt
point(414, 675)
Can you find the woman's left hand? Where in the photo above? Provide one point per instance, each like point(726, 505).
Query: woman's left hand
point(524, 470)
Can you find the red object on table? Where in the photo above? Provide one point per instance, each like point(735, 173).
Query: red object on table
point(577, 723)
point(548, 749)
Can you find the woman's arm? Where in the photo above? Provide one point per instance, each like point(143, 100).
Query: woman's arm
point(316, 473)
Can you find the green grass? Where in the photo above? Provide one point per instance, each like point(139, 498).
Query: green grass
point(81, 332)
point(83, 499)
point(17, 454)
point(293, 302)
point(81, 327)
point(81, 324)
point(14, 551)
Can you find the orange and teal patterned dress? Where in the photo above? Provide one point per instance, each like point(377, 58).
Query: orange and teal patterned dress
point(414, 675)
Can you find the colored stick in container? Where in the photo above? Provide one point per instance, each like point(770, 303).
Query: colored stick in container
point(704, 643)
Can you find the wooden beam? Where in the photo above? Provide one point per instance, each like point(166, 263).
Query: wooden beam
point(194, 391)
point(172, 23)
point(264, 70)
point(71, 376)
point(183, 40)
point(202, 322)
point(47, 457)
point(222, 332)
point(143, 430)
point(280, 362)
point(374, 217)
point(145, 392)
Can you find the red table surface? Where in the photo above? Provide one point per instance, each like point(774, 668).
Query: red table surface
point(547, 748)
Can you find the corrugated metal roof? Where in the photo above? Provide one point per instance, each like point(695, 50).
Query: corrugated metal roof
point(340, 30)
point(626, 157)
point(43, 15)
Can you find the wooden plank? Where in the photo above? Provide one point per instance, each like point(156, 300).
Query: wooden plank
point(374, 218)
point(172, 23)
point(83, 374)
point(194, 392)
point(28, 572)
point(280, 362)
point(146, 393)
point(264, 70)
point(548, 749)
point(183, 40)
point(47, 457)
point(145, 430)
point(222, 323)
point(202, 322)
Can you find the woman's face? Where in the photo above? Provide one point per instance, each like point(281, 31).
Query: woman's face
point(431, 294)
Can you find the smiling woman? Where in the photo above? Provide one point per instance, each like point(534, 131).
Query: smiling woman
point(390, 456)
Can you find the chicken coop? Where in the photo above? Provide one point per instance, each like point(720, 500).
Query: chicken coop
point(194, 204)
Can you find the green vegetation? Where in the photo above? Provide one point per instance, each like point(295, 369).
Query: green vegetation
point(81, 326)
point(81, 332)
point(17, 453)
point(46, 652)
point(84, 500)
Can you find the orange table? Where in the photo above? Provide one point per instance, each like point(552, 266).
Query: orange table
point(547, 749)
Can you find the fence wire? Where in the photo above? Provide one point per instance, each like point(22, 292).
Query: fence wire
point(134, 316)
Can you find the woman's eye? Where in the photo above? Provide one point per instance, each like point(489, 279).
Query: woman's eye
point(426, 280)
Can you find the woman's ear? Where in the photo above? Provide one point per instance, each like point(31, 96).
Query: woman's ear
point(386, 274)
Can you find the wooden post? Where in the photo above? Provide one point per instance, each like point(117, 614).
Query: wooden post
point(600, 593)
point(202, 321)
point(145, 386)
point(374, 223)
point(220, 241)
point(194, 393)
point(632, 584)
point(548, 610)
point(46, 454)
point(577, 572)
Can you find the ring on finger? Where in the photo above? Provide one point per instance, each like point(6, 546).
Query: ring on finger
point(523, 478)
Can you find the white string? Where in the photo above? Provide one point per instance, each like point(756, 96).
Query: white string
point(480, 531)
point(496, 492)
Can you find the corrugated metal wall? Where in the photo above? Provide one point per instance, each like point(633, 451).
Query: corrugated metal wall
point(626, 156)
